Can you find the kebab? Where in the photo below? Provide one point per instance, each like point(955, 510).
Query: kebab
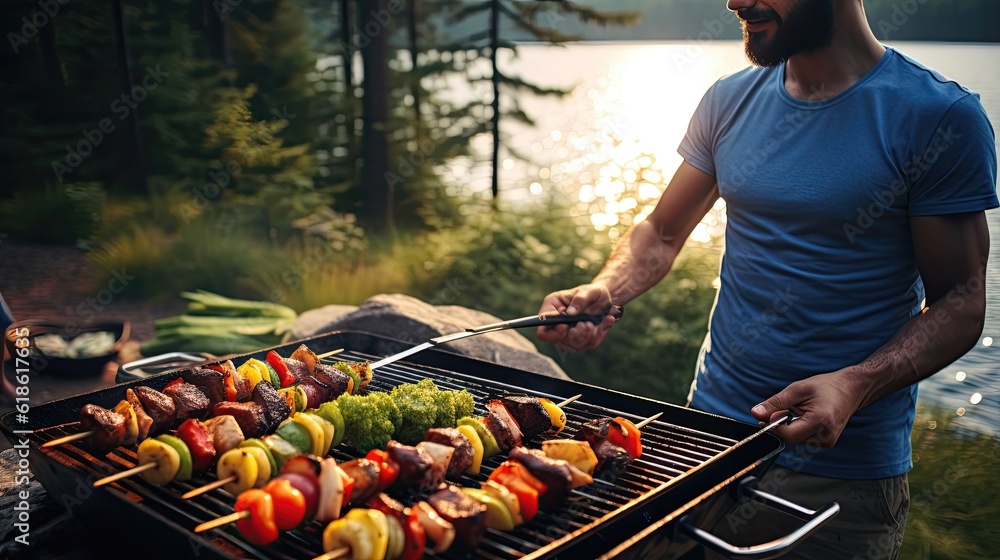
point(202, 389)
point(449, 517)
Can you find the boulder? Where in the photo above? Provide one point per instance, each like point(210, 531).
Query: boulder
point(411, 320)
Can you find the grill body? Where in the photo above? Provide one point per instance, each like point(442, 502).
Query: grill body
point(668, 481)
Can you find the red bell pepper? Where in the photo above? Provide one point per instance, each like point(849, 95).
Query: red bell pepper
point(624, 434)
point(259, 527)
point(284, 375)
point(177, 381)
point(415, 536)
point(522, 484)
point(289, 503)
point(199, 441)
point(388, 469)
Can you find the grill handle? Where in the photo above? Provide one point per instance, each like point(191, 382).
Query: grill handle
point(776, 548)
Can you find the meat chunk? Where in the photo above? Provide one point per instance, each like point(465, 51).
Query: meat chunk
point(555, 475)
point(249, 415)
point(531, 416)
point(333, 378)
point(108, 427)
point(365, 473)
point(158, 406)
point(211, 382)
point(275, 408)
point(189, 401)
point(502, 425)
point(461, 460)
point(298, 369)
point(467, 514)
point(609, 455)
point(226, 433)
point(317, 392)
point(414, 463)
point(143, 419)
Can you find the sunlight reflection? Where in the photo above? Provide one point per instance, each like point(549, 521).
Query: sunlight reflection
point(960, 376)
point(976, 398)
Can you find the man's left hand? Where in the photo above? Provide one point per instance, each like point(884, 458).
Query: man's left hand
point(823, 402)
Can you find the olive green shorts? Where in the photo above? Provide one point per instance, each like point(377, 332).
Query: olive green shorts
point(869, 526)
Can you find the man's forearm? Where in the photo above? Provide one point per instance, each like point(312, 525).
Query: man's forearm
point(642, 258)
point(923, 346)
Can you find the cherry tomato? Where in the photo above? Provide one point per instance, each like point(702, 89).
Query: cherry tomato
point(624, 434)
point(284, 376)
point(289, 503)
point(416, 536)
point(388, 469)
point(309, 487)
point(260, 527)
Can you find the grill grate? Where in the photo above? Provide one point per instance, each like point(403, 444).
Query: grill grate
point(669, 450)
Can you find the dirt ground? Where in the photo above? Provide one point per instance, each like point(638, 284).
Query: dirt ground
point(53, 282)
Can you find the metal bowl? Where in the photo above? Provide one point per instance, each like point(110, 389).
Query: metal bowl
point(56, 365)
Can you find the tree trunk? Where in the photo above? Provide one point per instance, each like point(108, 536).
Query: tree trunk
point(415, 80)
point(136, 162)
point(375, 111)
point(495, 120)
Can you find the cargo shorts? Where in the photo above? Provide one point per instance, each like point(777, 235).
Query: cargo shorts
point(869, 526)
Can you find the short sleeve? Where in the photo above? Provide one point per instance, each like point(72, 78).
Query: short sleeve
point(957, 171)
point(697, 146)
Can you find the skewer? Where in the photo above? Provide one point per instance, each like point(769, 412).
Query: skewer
point(335, 553)
point(224, 520)
point(330, 353)
point(569, 400)
point(69, 438)
point(643, 424)
point(208, 487)
point(124, 474)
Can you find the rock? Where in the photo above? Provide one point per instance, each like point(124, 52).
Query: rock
point(408, 319)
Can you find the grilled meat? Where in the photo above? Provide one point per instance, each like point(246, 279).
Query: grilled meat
point(467, 514)
point(529, 413)
point(502, 425)
point(249, 415)
point(226, 433)
point(333, 378)
point(461, 460)
point(298, 369)
point(143, 419)
point(609, 455)
point(211, 382)
point(317, 392)
point(440, 458)
point(189, 401)
point(365, 474)
point(275, 408)
point(555, 475)
point(108, 427)
point(158, 406)
point(414, 463)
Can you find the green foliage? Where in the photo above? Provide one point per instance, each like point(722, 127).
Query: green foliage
point(54, 214)
point(953, 487)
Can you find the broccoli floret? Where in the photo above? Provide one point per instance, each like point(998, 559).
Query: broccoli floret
point(417, 409)
point(367, 422)
point(445, 404)
point(463, 404)
point(388, 407)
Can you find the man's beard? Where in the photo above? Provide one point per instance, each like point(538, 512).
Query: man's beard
point(808, 27)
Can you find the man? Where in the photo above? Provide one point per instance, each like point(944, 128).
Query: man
point(856, 182)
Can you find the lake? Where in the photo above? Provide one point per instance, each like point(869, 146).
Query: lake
point(634, 101)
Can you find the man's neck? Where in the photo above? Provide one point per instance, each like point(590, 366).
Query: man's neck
point(824, 73)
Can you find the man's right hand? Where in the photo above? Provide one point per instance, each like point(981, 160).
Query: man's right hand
point(588, 298)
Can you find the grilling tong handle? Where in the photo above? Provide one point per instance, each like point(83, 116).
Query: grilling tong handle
point(775, 548)
point(553, 318)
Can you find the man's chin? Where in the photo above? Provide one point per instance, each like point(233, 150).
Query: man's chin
point(760, 53)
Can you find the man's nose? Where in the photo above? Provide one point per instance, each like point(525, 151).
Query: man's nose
point(734, 5)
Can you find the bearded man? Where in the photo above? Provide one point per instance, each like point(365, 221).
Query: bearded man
point(855, 182)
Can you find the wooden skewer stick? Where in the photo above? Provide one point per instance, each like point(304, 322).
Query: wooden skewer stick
point(224, 520)
point(569, 400)
point(643, 424)
point(335, 553)
point(330, 353)
point(124, 474)
point(208, 487)
point(69, 438)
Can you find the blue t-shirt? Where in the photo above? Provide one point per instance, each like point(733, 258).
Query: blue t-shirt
point(819, 268)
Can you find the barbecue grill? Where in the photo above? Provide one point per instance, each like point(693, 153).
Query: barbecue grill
point(693, 465)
